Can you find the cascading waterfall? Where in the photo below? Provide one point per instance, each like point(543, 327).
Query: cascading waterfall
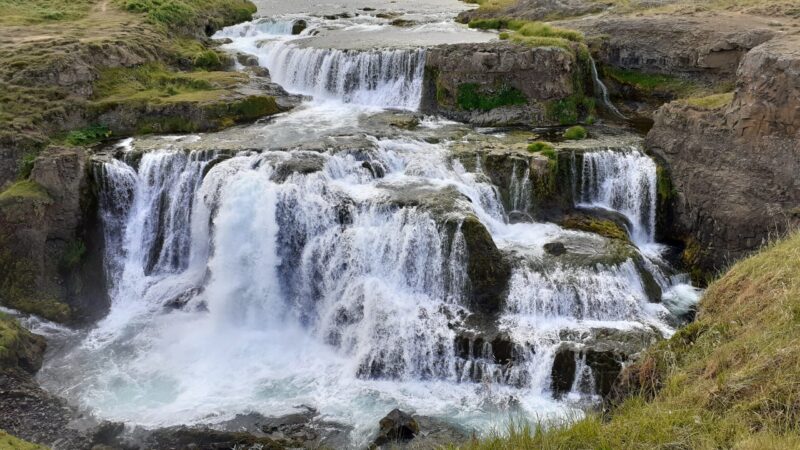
point(602, 91)
point(239, 285)
point(623, 181)
point(386, 78)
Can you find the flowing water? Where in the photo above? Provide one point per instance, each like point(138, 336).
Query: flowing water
point(240, 284)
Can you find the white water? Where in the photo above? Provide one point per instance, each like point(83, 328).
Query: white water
point(238, 289)
point(623, 181)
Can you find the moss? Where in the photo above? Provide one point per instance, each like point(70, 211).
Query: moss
point(692, 258)
point(17, 288)
point(575, 133)
point(564, 111)
point(24, 189)
point(540, 146)
point(710, 102)
point(603, 227)
point(664, 189)
point(25, 165)
point(73, 255)
point(88, 136)
point(208, 59)
point(471, 97)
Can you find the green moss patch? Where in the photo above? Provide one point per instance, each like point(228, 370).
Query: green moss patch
point(88, 136)
point(8, 441)
point(603, 227)
point(710, 102)
point(472, 96)
point(575, 133)
point(24, 189)
point(540, 146)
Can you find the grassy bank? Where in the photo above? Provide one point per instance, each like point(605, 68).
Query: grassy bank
point(729, 380)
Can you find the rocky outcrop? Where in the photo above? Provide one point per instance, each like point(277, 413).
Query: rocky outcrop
point(705, 47)
point(19, 348)
point(499, 83)
point(51, 266)
point(734, 169)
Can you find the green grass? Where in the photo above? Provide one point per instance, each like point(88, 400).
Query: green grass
point(471, 97)
point(88, 136)
point(27, 12)
point(156, 82)
point(191, 14)
point(710, 102)
point(575, 133)
point(603, 227)
point(530, 33)
point(24, 189)
point(729, 380)
point(539, 146)
point(9, 442)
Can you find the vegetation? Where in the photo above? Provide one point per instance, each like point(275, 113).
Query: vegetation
point(471, 97)
point(540, 146)
point(87, 136)
point(191, 14)
point(575, 133)
point(73, 255)
point(23, 189)
point(534, 34)
point(729, 380)
point(27, 12)
point(711, 102)
point(8, 442)
point(603, 227)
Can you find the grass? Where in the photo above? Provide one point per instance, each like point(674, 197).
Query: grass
point(710, 102)
point(155, 82)
point(786, 8)
point(28, 12)
point(603, 227)
point(575, 133)
point(88, 136)
point(191, 14)
point(24, 189)
point(8, 441)
point(729, 380)
point(540, 146)
point(531, 33)
point(471, 97)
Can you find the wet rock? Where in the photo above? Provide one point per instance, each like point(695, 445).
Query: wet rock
point(247, 60)
point(486, 266)
point(605, 366)
point(204, 438)
point(562, 376)
point(513, 73)
point(397, 426)
point(299, 26)
point(555, 248)
point(375, 168)
point(19, 348)
point(302, 163)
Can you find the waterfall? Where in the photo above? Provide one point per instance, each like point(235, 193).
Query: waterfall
point(602, 91)
point(259, 28)
point(385, 78)
point(520, 189)
point(622, 181)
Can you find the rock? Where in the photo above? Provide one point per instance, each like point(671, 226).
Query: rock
point(299, 26)
point(498, 83)
point(19, 348)
point(555, 248)
point(397, 426)
point(734, 169)
point(562, 375)
point(51, 262)
point(487, 268)
point(247, 60)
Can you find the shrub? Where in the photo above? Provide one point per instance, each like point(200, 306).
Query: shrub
point(575, 133)
point(539, 146)
point(208, 59)
point(25, 165)
point(88, 136)
point(470, 97)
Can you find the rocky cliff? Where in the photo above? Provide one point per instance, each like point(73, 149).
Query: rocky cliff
point(500, 84)
point(735, 167)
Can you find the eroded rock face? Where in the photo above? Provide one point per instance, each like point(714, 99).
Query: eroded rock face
point(709, 48)
point(734, 170)
point(495, 84)
point(397, 426)
point(50, 265)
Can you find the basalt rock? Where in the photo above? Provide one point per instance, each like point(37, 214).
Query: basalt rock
point(498, 84)
point(50, 243)
point(734, 169)
point(397, 426)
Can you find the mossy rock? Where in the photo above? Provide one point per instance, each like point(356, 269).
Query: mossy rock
point(487, 268)
point(19, 348)
point(603, 227)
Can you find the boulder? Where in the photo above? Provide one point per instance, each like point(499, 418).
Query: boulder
point(499, 83)
point(397, 426)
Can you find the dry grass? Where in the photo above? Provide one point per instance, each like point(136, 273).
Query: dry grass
point(773, 8)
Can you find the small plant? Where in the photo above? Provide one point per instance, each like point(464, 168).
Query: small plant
point(208, 59)
point(25, 165)
point(575, 133)
point(73, 254)
point(88, 136)
point(470, 97)
point(539, 146)
point(503, 36)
